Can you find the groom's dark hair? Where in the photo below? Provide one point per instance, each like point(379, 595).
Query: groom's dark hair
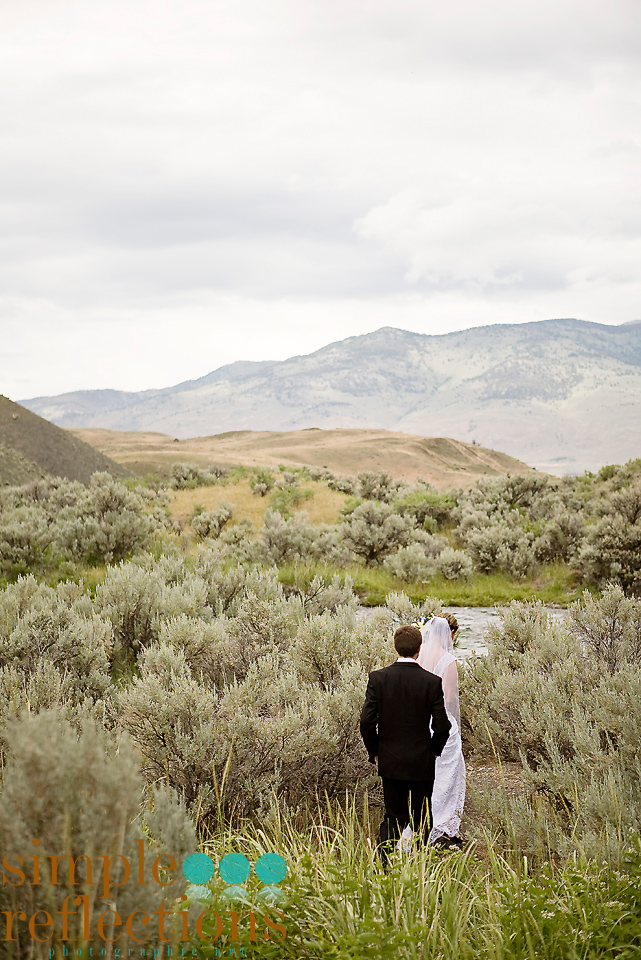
point(407, 641)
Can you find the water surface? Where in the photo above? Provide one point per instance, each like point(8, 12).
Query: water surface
point(473, 623)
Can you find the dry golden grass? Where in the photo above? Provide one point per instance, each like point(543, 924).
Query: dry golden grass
point(445, 463)
point(323, 507)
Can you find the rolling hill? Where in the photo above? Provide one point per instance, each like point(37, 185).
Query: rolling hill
point(31, 447)
point(562, 395)
point(445, 463)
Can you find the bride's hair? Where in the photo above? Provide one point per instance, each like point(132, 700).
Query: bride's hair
point(453, 622)
point(407, 641)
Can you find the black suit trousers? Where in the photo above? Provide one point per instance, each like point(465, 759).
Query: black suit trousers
point(406, 801)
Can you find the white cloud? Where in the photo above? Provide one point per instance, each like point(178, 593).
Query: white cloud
point(547, 236)
point(253, 180)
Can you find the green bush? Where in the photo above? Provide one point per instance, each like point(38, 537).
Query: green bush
point(425, 506)
point(58, 520)
point(342, 485)
point(107, 524)
point(269, 700)
point(285, 499)
point(410, 564)
point(42, 625)
point(262, 481)
point(454, 564)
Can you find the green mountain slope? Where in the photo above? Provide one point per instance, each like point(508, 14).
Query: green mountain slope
point(31, 447)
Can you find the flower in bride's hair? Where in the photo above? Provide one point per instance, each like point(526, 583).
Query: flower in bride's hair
point(421, 621)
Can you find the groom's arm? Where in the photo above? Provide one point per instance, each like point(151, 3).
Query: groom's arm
point(369, 722)
point(440, 721)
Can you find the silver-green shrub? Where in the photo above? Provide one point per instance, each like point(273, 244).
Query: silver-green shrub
point(320, 473)
point(511, 523)
point(262, 481)
point(609, 629)
point(454, 564)
point(107, 523)
point(294, 538)
point(186, 476)
point(40, 624)
point(210, 523)
point(564, 701)
point(342, 485)
point(56, 518)
point(135, 598)
point(287, 540)
point(561, 537)
point(613, 547)
point(226, 587)
point(286, 480)
point(25, 535)
point(373, 530)
point(410, 564)
point(378, 485)
point(78, 794)
point(416, 561)
point(319, 595)
point(402, 608)
point(501, 545)
point(261, 704)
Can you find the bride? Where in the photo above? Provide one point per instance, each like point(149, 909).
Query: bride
point(448, 797)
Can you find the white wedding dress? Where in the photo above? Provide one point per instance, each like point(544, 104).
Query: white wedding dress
point(448, 797)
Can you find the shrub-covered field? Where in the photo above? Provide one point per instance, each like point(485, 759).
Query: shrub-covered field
point(522, 537)
point(167, 687)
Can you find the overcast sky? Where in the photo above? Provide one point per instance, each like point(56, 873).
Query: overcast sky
point(184, 183)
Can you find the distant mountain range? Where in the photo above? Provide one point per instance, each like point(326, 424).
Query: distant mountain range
point(562, 395)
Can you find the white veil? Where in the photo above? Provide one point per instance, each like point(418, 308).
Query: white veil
point(448, 798)
point(437, 656)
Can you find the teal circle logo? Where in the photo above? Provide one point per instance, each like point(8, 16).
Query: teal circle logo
point(234, 868)
point(198, 868)
point(199, 893)
point(235, 893)
point(271, 868)
point(271, 895)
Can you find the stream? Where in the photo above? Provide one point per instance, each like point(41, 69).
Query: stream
point(473, 622)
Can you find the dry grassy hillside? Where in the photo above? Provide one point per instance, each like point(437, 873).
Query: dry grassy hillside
point(443, 462)
point(31, 447)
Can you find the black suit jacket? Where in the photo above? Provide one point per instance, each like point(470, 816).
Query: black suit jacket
point(400, 702)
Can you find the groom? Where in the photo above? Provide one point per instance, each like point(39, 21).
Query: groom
point(400, 703)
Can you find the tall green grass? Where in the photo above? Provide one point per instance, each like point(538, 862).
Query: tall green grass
point(555, 584)
point(451, 905)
